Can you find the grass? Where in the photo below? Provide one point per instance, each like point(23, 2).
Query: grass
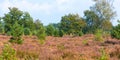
point(27, 55)
point(8, 53)
point(104, 55)
point(99, 36)
point(85, 42)
point(61, 46)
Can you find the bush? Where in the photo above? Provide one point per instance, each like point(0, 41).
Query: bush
point(50, 30)
point(16, 32)
point(85, 42)
point(115, 33)
point(61, 33)
point(104, 55)
point(99, 35)
point(18, 41)
point(80, 33)
point(56, 33)
point(27, 31)
point(41, 33)
point(8, 53)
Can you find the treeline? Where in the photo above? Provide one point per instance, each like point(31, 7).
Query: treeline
point(97, 18)
point(17, 23)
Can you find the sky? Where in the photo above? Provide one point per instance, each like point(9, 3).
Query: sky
point(51, 11)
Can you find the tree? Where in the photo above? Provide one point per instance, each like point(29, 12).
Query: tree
point(23, 18)
point(50, 30)
point(72, 24)
point(104, 10)
point(39, 30)
point(92, 21)
point(115, 33)
point(11, 17)
point(99, 16)
point(16, 32)
point(1, 26)
point(27, 22)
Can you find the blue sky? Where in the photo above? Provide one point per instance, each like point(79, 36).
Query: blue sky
point(51, 11)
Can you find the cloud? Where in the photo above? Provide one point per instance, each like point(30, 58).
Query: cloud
point(25, 5)
point(60, 2)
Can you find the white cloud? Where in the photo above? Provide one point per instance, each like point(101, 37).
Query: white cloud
point(60, 2)
point(25, 5)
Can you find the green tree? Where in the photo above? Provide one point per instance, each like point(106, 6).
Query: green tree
point(56, 33)
point(27, 22)
point(104, 10)
point(27, 31)
point(11, 17)
point(99, 16)
point(72, 24)
point(23, 18)
point(92, 21)
point(50, 30)
point(115, 33)
point(39, 30)
point(16, 32)
point(1, 26)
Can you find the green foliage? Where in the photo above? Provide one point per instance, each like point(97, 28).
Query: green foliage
point(18, 23)
point(56, 33)
point(103, 9)
point(27, 31)
point(99, 16)
point(50, 30)
point(104, 55)
point(39, 30)
point(27, 23)
point(16, 32)
point(115, 33)
point(72, 24)
point(41, 34)
point(85, 42)
point(80, 33)
point(23, 19)
point(11, 17)
point(2, 30)
point(61, 33)
point(8, 53)
point(99, 35)
point(92, 22)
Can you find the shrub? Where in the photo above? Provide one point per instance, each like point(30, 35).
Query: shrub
point(18, 41)
point(41, 33)
point(104, 55)
point(8, 53)
point(27, 31)
point(85, 42)
point(61, 33)
point(99, 36)
point(25, 55)
point(80, 33)
point(61, 47)
point(50, 30)
point(56, 33)
point(115, 33)
point(16, 32)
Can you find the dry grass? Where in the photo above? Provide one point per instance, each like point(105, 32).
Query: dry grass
point(65, 48)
